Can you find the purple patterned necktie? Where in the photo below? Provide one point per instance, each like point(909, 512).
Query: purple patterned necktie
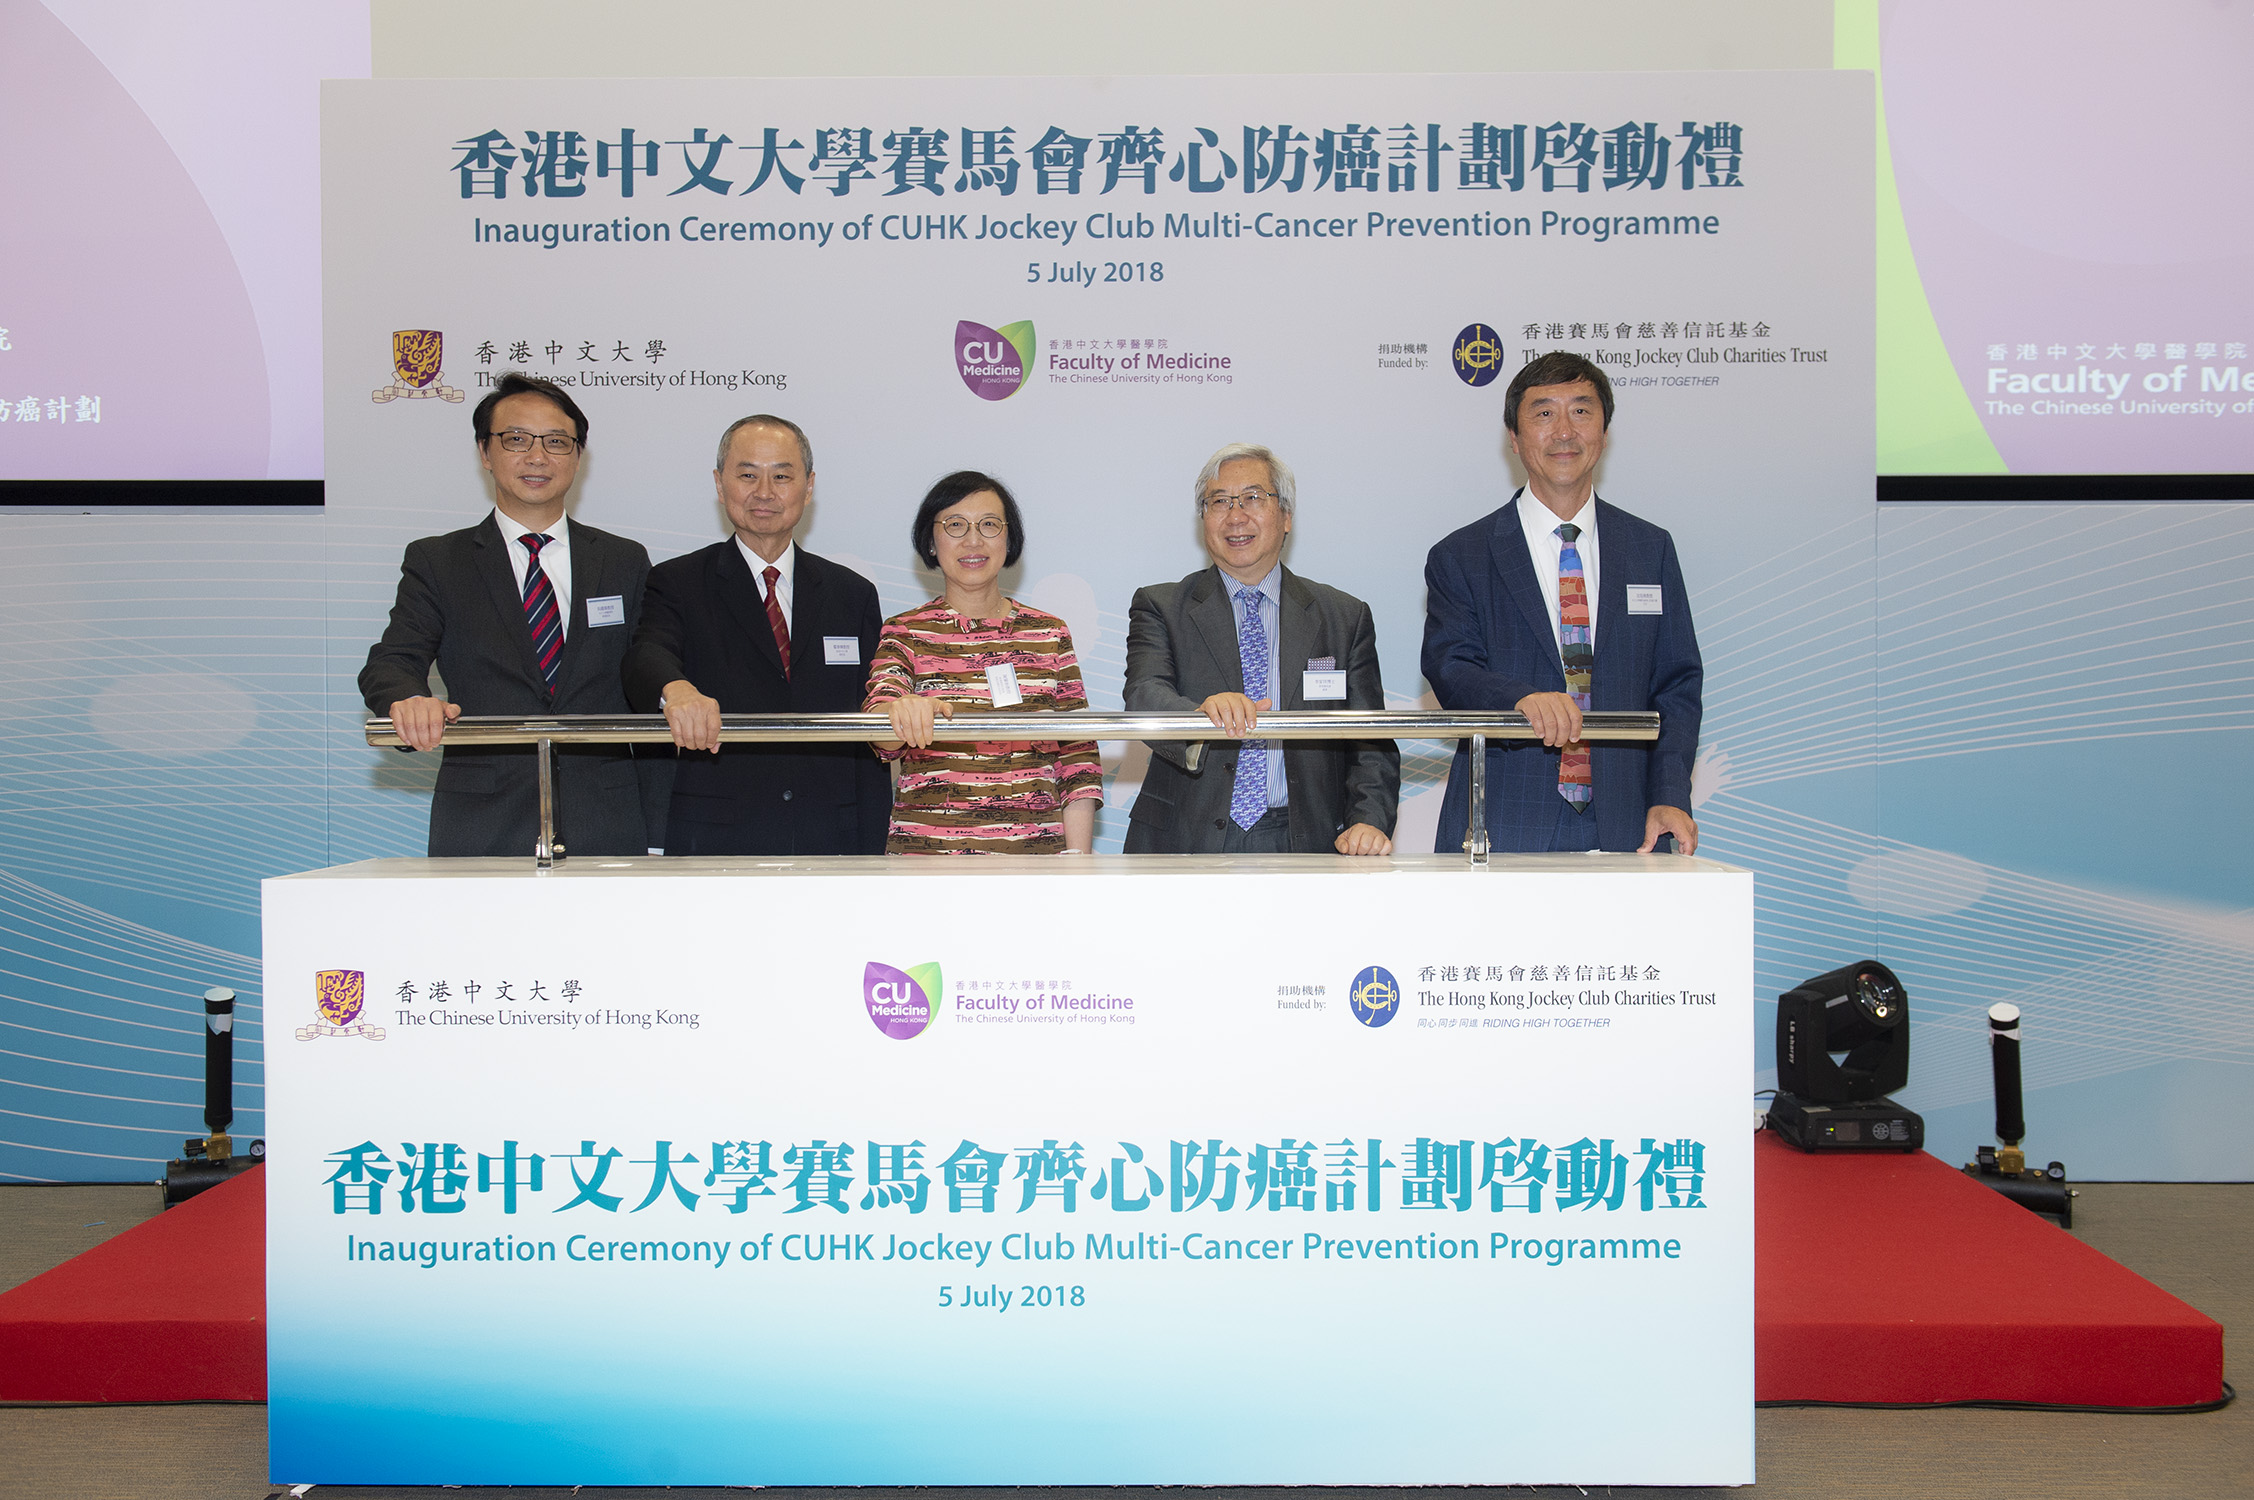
point(1248, 800)
point(541, 616)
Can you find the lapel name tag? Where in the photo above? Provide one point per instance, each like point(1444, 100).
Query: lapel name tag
point(1001, 685)
point(608, 610)
point(1323, 687)
point(1643, 599)
point(841, 651)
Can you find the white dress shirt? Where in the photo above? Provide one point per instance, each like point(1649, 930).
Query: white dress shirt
point(1544, 545)
point(783, 566)
point(555, 559)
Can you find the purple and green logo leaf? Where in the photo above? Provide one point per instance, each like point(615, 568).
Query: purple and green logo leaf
point(993, 361)
point(901, 1002)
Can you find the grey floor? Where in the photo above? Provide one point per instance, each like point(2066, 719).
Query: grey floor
point(2192, 1240)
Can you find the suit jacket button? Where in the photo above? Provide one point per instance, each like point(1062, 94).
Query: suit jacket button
point(786, 794)
point(1220, 822)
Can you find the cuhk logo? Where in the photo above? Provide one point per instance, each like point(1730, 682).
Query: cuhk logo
point(901, 1001)
point(1375, 998)
point(993, 361)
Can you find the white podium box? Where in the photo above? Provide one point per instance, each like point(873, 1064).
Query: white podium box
point(1011, 1171)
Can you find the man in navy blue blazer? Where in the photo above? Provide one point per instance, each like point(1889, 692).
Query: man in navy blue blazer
point(1494, 639)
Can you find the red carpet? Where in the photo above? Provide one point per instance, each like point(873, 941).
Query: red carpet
point(1879, 1278)
point(173, 1309)
point(1898, 1278)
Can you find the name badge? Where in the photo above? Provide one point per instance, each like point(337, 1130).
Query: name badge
point(1643, 599)
point(1320, 687)
point(608, 610)
point(841, 651)
point(1001, 686)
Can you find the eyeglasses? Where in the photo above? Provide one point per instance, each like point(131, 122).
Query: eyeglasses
point(1251, 502)
point(517, 440)
point(989, 527)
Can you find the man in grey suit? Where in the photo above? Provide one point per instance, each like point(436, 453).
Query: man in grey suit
point(1244, 635)
point(525, 613)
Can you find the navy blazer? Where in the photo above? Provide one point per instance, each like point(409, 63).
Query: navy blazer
point(459, 608)
point(1488, 642)
point(703, 621)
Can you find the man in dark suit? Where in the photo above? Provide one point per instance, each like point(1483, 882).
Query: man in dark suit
point(1244, 635)
point(756, 624)
point(525, 613)
point(1560, 603)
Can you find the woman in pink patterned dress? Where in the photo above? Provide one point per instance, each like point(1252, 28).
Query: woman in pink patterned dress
point(973, 647)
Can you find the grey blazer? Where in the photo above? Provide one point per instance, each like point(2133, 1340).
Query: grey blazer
point(459, 609)
point(1182, 649)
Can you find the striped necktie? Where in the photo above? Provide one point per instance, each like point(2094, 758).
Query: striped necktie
point(1576, 646)
point(541, 616)
point(775, 620)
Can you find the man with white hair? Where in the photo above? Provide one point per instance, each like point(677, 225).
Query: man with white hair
point(1240, 637)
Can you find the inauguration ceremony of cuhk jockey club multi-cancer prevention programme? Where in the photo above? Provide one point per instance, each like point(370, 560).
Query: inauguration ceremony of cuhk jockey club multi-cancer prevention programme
point(1191, 745)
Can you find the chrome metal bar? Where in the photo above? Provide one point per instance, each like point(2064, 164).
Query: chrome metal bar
point(1475, 830)
point(1329, 724)
point(545, 852)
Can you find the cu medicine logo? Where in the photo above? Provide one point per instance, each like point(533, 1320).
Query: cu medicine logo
point(993, 361)
point(1375, 999)
point(338, 995)
point(901, 1002)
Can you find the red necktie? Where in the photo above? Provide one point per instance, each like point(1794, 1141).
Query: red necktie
point(775, 620)
point(541, 616)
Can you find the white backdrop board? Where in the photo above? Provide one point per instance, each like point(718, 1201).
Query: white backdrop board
point(1368, 1173)
point(1133, 272)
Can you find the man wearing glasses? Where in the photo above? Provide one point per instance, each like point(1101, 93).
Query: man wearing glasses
point(525, 613)
point(756, 624)
point(1242, 636)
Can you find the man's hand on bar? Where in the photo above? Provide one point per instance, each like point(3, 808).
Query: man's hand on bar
point(420, 721)
point(693, 718)
point(1554, 716)
point(1234, 712)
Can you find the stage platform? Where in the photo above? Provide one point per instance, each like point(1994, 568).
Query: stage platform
point(174, 1309)
point(1880, 1278)
point(1896, 1278)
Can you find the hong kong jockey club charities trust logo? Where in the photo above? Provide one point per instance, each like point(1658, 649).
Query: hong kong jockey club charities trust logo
point(1478, 354)
point(1375, 999)
point(901, 1002)
point(338, 995)
point(993, 361)
point(416, 357)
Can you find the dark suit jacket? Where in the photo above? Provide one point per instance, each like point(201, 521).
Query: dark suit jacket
point(1182, 649)
point(459, 608)
point(703, 622)
point(1488, 642)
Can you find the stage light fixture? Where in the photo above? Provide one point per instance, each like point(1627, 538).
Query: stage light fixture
point(1843, 1045)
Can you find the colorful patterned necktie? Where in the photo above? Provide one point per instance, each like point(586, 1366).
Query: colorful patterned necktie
point(775, 620)
point(541, 616)
point(1248, 801)
point(1577, 648)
